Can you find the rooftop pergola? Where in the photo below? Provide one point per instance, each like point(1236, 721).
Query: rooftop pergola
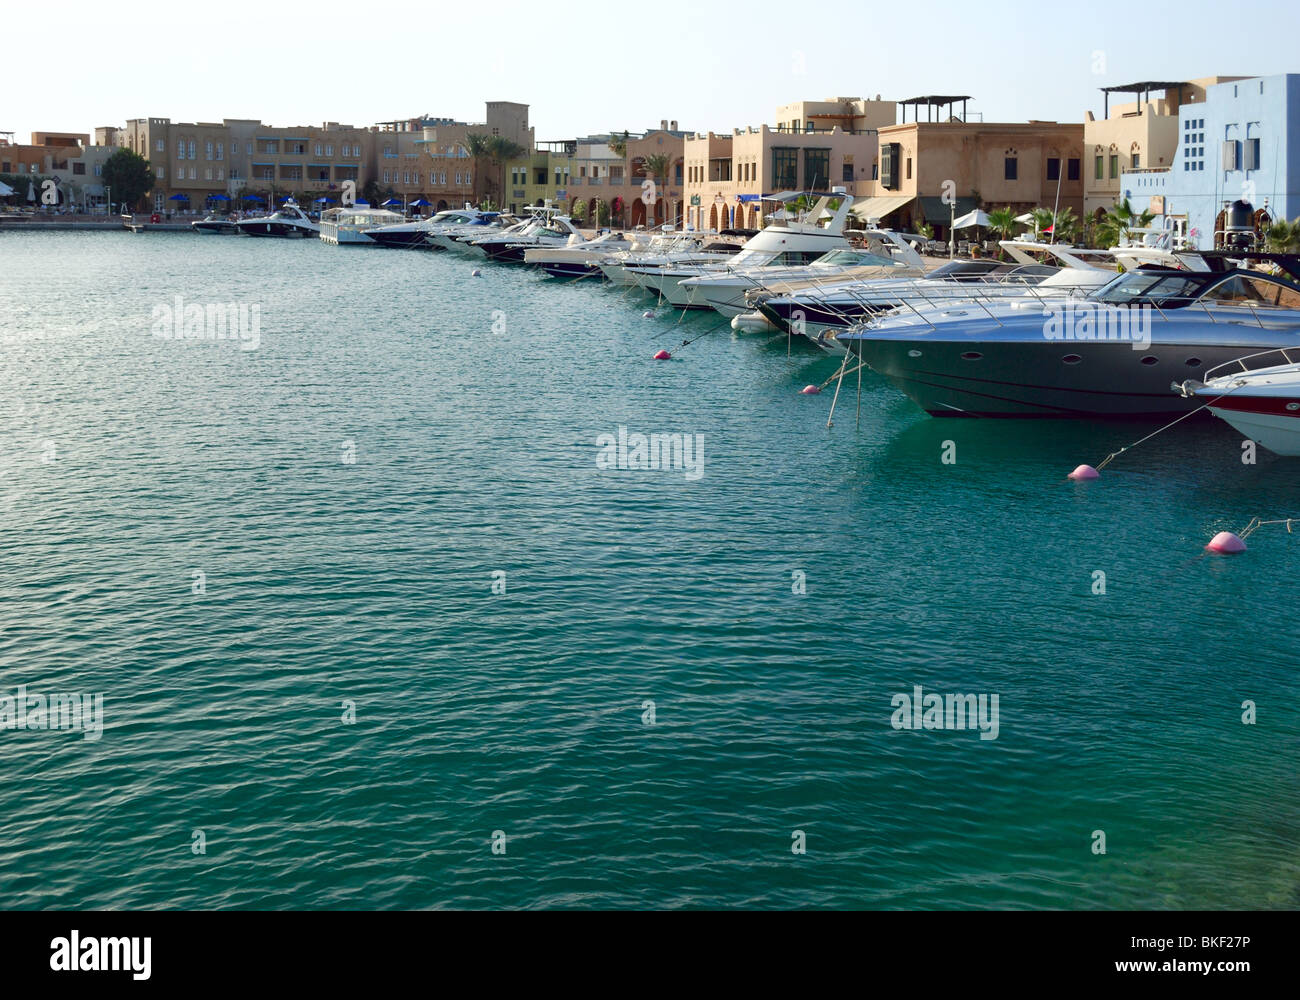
point(933, 101)
point(1142, 90)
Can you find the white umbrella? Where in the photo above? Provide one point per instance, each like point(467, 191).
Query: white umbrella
point(975, 218)
point(5, 190)
point(1027, 218)
point(31, 191)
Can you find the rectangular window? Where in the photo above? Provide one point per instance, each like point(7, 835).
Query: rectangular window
point(1137, 161)
point(193, 150)
point(329, 150)
point(78, 168)
point(1072, 169)
point(318, 149)
point(1252, 154)
point(1053, 168)
point(785, 167)
point(234, 146)
point(889, 156)
point(1010, 168)
point(207, 149)
point(1114, 165)
point(221, 151)
point(909, 168)
point(817, 168)
point(160, 147)
point(207, 173)
point(180, 149)
point(848, 173)
point(1098, 171)
point(1230, 154)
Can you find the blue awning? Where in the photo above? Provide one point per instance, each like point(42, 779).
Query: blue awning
point(749, 197)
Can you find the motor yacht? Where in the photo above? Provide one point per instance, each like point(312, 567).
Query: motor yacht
point(414, 235)
point(352, 224)
point(578, 258)
point(287, 221)
point(544, 230)
point(821, 310)
point(1261, 403)
point(215, 225)
point(1112, 353)
point(786, 242)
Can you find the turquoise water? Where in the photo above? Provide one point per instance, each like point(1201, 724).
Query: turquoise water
point(132, 461)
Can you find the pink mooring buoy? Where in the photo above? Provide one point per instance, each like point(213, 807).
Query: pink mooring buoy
point(810, 390)
point(1084, 472)
point(663, 356)
point(1226, 543)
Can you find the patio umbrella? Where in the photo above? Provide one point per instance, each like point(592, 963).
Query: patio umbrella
point(975, 218)
point(421, 203)
point(361, 204)
point(324, 201)
point(1026, 219)
point(179, 197)
point(252, 197)
point(5, 190)
point(391, 201)
point(217, 197)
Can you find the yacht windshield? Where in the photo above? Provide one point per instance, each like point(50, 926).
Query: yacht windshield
point(856, 258)
point(1163, 290)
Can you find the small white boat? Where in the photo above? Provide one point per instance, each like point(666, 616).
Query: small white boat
point(1261, 403)
point(348, 225)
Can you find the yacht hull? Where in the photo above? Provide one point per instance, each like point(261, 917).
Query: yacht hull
point(1265, 419)
point(971, 378)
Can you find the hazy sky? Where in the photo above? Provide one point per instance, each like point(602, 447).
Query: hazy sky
point(595, 66)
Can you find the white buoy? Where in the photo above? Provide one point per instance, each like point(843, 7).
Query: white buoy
point(476, 273)
point(648, 314)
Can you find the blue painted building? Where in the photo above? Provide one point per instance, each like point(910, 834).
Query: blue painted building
point(1242, 143)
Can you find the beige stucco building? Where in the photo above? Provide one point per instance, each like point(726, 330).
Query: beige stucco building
point(816, 145)
point(68, 158)
point(1020, 165)
point(1140, 135)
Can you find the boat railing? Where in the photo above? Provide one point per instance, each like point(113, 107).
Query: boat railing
point(1221, 370)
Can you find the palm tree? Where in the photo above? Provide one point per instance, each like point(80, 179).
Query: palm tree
point(1065, 226)
point(499, 150)
point(1003, 222)
point(476, 144)
point(1042, 220)
point(658, 164)
point(618, 144)
point(1122, 220)
point(1282, 236)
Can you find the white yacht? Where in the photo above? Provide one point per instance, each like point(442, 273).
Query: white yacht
point(351, 224)
point(509, 248)
point(577, 258)
point(885, 255)
point(820, 310)
point(629, 267)
point(1262, 404)
point(784, 243)
point(287, 221)
point(414, 235)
